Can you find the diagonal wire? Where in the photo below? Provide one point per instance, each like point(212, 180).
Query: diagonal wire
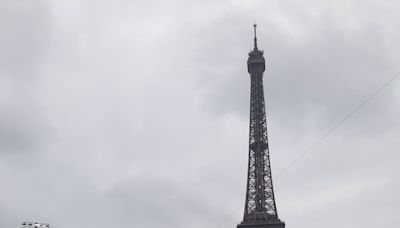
point(229, 216)
point(334, 127)
point(320, 139)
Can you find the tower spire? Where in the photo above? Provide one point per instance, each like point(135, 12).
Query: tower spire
point(255, 35)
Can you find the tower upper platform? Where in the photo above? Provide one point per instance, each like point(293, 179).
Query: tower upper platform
point(256, 61)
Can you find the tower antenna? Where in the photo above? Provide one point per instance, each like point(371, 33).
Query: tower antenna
point(255, 35)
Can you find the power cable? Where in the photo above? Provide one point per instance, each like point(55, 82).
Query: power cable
point(334, 127)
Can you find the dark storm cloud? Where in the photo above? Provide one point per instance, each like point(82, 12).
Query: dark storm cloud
point(131, 113)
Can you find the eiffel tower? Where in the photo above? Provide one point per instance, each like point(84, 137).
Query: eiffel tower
point(260, 207)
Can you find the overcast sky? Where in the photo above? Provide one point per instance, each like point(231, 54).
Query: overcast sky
point(135, 113)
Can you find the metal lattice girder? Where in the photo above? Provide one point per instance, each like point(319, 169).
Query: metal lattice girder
point(260, 206)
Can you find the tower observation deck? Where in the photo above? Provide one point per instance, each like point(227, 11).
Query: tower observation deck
point(260, 206)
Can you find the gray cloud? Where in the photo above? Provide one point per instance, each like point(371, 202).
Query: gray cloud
point(136, 114)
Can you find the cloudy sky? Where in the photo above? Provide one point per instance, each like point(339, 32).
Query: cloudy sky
point(135, 113)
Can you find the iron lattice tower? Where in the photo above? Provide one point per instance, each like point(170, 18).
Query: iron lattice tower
point(260, 207)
